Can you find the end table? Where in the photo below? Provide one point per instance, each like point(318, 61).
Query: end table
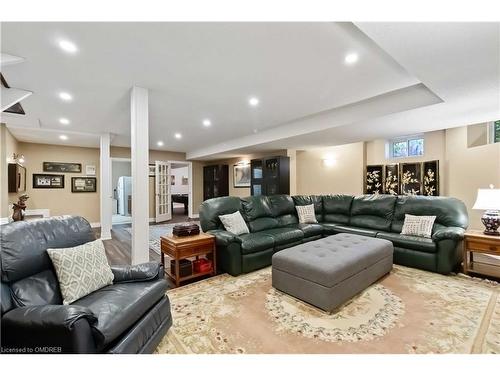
point(478, 242)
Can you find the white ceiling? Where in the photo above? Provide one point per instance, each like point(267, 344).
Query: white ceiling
point(410, 77)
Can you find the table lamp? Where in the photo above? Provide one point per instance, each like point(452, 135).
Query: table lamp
point(489, 200)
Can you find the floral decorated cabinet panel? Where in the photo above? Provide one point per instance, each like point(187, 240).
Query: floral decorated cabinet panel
point(411, 178)
point(374, 179)
point(430, 171)
point(391, 179)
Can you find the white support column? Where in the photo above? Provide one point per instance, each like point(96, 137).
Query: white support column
point(105, 187)
point(140, 180)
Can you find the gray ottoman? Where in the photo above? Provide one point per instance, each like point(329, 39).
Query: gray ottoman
point(328, 272)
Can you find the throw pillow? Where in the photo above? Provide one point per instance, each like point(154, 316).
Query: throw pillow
point(418, 225)
point(234, 223)
point(81, 269)
point(306, 214)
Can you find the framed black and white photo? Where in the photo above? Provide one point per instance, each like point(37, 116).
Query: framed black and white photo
point(50, 166)
point(410, 176)
point(83, 184)
point(152, 170)
point(374, 179)
point(430, 170)
point(391, 179)
point(90, 170)
point(241, 175)
point(48, 181)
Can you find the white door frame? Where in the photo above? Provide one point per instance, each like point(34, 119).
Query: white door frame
point(165, 216)
point(190, 184)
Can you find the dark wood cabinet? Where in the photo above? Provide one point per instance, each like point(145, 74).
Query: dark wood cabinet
point(270, 175)
point(215, 181)
point(16, 177)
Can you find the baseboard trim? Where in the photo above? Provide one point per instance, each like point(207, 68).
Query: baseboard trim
point(95, 225)
point(195, 216)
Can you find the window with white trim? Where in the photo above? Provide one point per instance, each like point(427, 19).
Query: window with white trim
point(406, 147)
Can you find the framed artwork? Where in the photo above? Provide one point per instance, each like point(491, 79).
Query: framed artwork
point(374, 179)
point(431, 178)
point(391, 179)
point(83, 184)
point(411, 178)
point(90, 170)
point(241, 174)
point(172, 179)
point(48, 181)
point(184, 180)
point(50, 166)
point(152, 170)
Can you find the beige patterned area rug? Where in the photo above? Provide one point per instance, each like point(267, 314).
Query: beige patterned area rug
point(408, 311)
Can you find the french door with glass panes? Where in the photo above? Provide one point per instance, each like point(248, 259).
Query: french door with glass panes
point(162, 191)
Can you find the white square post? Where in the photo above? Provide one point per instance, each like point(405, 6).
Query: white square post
point(140, 180)
point(106, 196)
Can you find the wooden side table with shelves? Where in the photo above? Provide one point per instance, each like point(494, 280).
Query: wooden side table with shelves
point(478, 242)
point(179, 248)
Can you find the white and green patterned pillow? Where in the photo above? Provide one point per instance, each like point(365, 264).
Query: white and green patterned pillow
point(81, 269)
point(418, 225)
point(306, 214)
point(234, 223)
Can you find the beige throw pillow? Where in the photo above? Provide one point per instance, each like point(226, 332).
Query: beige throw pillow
point(81, 269)
point(234, 223)
point(306, 214)
point(418, 225)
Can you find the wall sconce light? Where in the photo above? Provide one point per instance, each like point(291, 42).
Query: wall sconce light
point(18, 158)
point(330, 162)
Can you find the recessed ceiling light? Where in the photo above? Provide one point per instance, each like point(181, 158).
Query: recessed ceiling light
point(63, 137)
point(64, 121)
point(160, 143)
point(207, 122)
point(253, 101)
point(68, 46)
point(178, 135)
point(65, 96)
point(351, 58)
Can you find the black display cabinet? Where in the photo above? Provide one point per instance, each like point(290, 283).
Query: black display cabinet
point(215, 181)
point(270, 175)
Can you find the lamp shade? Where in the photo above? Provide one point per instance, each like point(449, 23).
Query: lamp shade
point(487, 199)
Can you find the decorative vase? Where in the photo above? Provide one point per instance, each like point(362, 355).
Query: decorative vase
point(491, 222)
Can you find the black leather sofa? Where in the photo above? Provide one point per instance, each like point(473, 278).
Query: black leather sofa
point(130, 316)
point(273, 225)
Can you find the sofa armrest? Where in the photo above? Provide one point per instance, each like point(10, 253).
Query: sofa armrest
point(449, 233)
point(48, 329)
point(139, 272)
point(223, 237)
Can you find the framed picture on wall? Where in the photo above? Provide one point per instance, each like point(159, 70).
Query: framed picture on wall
point(50, 166)
point(391, 179)
point(83, 184)
point(411, 178)
point(430, 170)
point(241, 175)
point(374, 179)
point(152, 170)
point(48, 181)
point(90, 170)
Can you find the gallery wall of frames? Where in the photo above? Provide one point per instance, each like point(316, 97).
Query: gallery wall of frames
point(420, 178)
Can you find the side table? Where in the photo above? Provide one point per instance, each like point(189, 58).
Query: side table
point(478, 242)
point(179, 248)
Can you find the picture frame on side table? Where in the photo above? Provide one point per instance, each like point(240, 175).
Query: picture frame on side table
point(51, 166)
point(430, 172)
point(391, 179)
point(374, 179)
point(83, 184)
point(48, 181)
point(410, 176)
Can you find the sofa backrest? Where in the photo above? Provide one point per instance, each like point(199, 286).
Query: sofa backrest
point(337, 208)
point(449, 212)
point(25, 265)
point(211, 209)
point(373, 211)
point(305, 200)
point(284, 210)
point(258, 213)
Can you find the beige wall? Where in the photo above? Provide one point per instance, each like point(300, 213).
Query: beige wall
point(8, 145)
point(344, 177)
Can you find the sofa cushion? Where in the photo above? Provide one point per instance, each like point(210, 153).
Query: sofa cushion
point(255, 242)
point(337, 208)
point(283, 209)
point(329, 228)
point(310, 230)
point(119, 306)
point(255, 207)
point(373, 211)
point(283, 236)
point(353, 230)
point(262, 223)
point(211, 209)
point(449, 212)
point(409, 242)
point(317, 200)
point(234, 223)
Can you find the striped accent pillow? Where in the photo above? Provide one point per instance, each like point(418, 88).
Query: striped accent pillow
point(306, 214)
point(234, 223)
point(418, 225)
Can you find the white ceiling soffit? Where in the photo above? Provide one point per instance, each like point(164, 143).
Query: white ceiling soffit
point(11, 96)
point(50, 136)
point(6, 59)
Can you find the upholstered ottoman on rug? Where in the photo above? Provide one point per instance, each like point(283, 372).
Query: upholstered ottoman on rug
point(328, 272)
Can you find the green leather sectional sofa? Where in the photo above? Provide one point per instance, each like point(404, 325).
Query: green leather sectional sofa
point(274, 226)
